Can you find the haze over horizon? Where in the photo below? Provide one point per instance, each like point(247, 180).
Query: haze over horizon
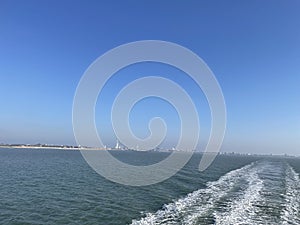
point(252, 47)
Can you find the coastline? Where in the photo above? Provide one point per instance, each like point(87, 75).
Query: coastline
point(48, 147)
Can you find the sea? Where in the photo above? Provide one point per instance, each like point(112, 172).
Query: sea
point(45, 186)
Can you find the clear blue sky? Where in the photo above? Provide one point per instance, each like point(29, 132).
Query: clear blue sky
point(252, 47)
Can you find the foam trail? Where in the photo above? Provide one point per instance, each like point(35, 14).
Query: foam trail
point(187, 210)
point(243, 209)
point(291, 213)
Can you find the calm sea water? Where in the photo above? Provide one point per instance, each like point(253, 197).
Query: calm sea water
point(58, 187)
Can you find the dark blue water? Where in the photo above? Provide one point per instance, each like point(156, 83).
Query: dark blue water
point(58, 187)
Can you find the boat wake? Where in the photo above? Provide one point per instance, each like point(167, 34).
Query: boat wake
point(291, 212)
point(263, 192)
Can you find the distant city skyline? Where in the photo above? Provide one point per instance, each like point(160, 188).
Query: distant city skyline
point(251, 46)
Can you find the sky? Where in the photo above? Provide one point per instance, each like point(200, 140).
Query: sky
point(251, 46)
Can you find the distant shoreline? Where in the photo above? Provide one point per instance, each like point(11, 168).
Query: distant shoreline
point(77, 148)
point(66, 147)
point(49, 147)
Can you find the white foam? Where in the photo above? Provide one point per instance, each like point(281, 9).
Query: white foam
point(291, 213)
point(238, 206)
point(243, 209)
point(196, 204)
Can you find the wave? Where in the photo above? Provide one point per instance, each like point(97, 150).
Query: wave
point(264, 192)
point(244, 208)
point(291, 213)
point(190, 209)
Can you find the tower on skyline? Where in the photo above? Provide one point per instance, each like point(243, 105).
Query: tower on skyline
point(118, 146)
